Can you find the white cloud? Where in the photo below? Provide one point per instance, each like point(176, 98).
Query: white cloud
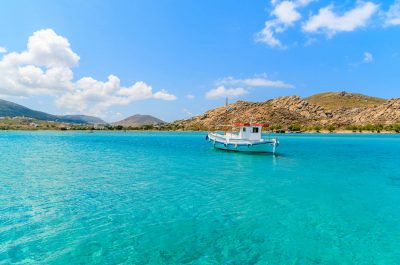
point(254, 82)
point(45, 68)
point(222, 92)
point(190, 97)
point(95, 97)
point(266, 35)
point(288, 13)
point(234, 87)
point(45, 49)
point(164, 95)
point(284, 14)
point(393, 14)
point(3, 49)
point(368, 57)
point(330, 23)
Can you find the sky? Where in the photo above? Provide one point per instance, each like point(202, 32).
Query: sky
point(175, 59)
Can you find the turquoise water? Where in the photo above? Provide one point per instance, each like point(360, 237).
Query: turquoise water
point(169, 198)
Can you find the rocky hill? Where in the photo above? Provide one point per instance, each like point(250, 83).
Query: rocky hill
point(353, 109)
point(139, 120)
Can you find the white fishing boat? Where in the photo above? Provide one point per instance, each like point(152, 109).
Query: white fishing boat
point(248, 139)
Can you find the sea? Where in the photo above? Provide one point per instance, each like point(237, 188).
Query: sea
point(170, 198)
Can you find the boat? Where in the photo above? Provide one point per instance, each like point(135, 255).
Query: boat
point(248, 139)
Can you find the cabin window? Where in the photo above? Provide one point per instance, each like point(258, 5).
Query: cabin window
point(244, 129)
point(255, 129)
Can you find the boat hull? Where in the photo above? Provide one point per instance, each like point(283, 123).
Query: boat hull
point(267, 146)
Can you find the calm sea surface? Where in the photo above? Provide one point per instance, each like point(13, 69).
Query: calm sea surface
point(169, 198)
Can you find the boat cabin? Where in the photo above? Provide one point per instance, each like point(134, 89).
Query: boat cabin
point(249, 131)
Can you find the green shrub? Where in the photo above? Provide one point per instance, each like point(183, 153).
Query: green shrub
point(331, 128)
point(396, 128)
point(352, 128)
point(317, 128)
point(369, 127)
point(378, 128)
point(295, 127)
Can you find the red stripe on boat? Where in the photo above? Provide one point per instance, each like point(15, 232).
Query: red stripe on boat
point(248, 124)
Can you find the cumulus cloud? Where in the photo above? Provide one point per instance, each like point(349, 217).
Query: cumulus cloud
point(392, 16)
point(234, 87)
point(97, 96)
point(254, 82)
point(327, 21)
point(288, 13)
point(368, 57)
point(45, 68)
point(267, 35)
point(284, 15)
point(222, 92)
point(3, 49)
point(190, 96)
point(164, 95)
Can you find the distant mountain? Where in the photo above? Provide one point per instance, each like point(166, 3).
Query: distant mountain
point(139, 120)
point(10, 109)
point(337, 100)
point(83, 119)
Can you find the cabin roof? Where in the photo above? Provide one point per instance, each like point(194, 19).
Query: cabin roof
point(241, 124)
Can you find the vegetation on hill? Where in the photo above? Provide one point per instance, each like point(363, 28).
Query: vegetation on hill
point(337, 100)
point(23, 123)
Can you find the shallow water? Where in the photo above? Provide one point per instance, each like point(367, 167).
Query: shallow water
point(169, 198)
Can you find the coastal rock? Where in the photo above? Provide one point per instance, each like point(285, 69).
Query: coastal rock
point(387, 113)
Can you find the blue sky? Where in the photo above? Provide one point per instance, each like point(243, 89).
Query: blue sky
point(173, 59)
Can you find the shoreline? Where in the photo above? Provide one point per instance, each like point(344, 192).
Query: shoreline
point(201, 131)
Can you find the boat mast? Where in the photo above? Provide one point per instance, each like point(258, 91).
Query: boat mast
point(226, 114)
